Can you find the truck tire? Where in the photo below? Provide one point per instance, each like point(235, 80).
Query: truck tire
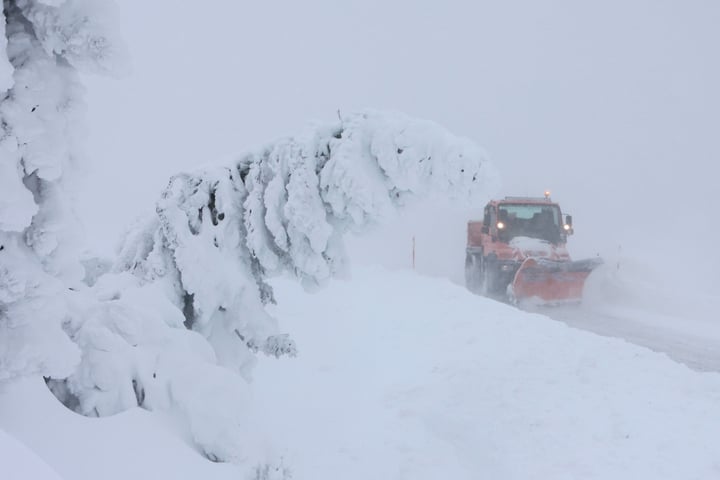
point(474, 272)
point(490, 275)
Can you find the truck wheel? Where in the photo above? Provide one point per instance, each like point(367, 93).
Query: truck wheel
point(489, 275)
point(474, 272)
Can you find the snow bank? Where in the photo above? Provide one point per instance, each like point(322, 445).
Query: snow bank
point(450, 385)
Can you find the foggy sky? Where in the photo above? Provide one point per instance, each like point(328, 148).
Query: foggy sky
point(613, 106)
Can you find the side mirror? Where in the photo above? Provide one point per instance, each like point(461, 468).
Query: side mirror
point(568, 220)
point(568, 225)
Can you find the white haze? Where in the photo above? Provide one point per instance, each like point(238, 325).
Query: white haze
point(613, 106)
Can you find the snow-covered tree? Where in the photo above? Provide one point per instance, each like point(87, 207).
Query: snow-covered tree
point(219, 233)
point(115, 346)
point(44, 43)
point(176, 326)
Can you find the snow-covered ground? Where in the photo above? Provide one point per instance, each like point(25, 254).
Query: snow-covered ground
point(408, 377)
point(399, 376)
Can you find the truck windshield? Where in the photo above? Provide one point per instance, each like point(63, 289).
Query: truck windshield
point(530, 220)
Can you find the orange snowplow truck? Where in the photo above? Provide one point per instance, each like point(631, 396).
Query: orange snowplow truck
point(517, 252)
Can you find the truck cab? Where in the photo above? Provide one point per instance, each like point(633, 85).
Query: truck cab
point(512, 230)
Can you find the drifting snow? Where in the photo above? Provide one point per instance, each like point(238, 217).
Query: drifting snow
point(636, 288)
point(630, 299)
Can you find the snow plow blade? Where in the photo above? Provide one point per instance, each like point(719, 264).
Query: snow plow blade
point(550, 281)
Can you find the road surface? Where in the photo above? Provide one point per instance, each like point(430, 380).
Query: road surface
point(693, 341)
